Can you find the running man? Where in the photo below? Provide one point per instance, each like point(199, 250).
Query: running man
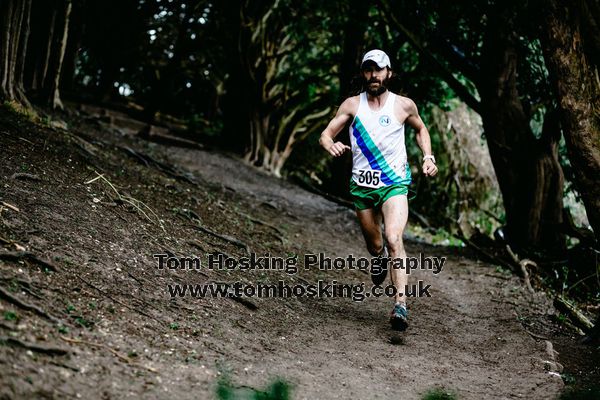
point(380, 170)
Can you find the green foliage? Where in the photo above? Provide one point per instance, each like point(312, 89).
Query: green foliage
point(10, 316)
point(444, 238)
point(225, 390)
point(439, 394)
point(17, 109)
point(440, 236)
point(278, 390)
point(84, 323)
point(281, 61)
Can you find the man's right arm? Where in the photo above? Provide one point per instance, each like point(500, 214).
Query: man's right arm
point(344, 114)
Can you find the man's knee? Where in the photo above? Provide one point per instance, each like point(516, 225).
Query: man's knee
point(394, 240)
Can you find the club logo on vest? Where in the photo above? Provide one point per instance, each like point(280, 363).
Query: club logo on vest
point(384, 120)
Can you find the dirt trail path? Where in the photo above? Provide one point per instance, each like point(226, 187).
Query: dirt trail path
point(469, 337)
point(466, 337)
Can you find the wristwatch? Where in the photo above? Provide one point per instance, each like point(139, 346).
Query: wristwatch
point(429, 157)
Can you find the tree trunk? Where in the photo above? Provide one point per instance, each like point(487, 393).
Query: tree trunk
point(22, 55)
point(570, 56)
point(238, 133)
point(76, 28)
point(6, 11)
point(15, 33)
point(594, 334)
point(353, 43)
point(62, 29)
point(39, 46)
point(353, 47)
point(13, 47)
point(527, 169)
point(42, 70)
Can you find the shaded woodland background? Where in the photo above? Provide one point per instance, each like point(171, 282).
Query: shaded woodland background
point(510, 91)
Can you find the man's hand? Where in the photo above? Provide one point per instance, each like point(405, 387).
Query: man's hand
point(429, 168)
point(338, 148)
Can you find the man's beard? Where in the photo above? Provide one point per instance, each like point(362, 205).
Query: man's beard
point(376, 91)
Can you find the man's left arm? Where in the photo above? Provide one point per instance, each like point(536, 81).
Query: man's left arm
point(423, 138)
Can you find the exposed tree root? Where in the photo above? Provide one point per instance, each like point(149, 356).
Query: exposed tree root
point(25, 286)
point(118, 301)
point(53, 351)
point(26, 306)
point(25, 176)
point(226, 238)
point(25, 255)
point(573, 313)
point(164, 168)
point(245, 302)
point(535, 335)
point(486, 255)
point(260, 222)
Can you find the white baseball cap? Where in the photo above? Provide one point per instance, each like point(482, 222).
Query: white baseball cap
point(378, 57)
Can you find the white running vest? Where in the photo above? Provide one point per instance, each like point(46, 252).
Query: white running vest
point(378, 149)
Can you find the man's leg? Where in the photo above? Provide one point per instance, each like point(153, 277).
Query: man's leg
point(395, 216)
point(370, 225)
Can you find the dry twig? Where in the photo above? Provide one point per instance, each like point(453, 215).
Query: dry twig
point(135, 203)
point(7, 205)
point(523, 266)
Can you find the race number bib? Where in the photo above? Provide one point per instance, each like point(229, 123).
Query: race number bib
point(369, 177)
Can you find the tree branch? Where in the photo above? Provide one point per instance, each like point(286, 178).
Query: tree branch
point(445, 74)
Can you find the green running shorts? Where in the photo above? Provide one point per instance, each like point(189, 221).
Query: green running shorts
point(365, 197)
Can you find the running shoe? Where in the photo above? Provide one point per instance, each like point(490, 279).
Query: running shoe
point(379, 267)
point(399, 317)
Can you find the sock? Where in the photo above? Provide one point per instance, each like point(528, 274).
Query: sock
point(384, 253)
